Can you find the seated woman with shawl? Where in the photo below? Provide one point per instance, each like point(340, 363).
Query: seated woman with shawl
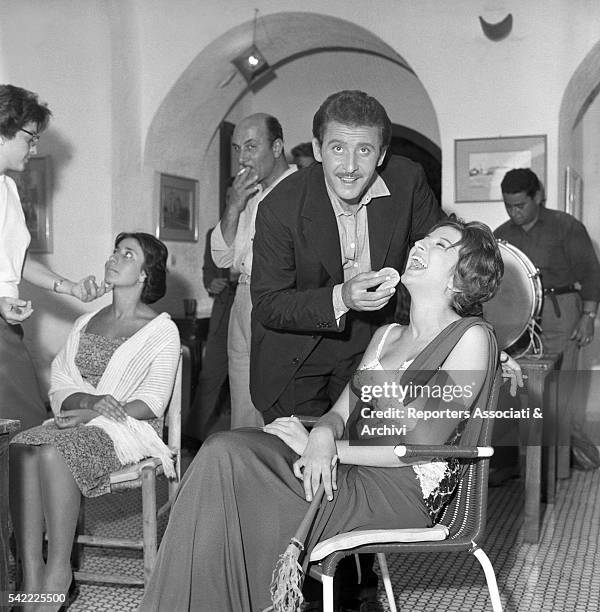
point(110, 384)
point(247, 490)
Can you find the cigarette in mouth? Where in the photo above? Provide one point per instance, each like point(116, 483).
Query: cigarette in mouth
point(241, 170)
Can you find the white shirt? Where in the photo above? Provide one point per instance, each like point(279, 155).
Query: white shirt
point(14, 238)
point(239, 255)
point(353, 229)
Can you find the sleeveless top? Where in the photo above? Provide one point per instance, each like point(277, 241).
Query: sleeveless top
point(438, 478)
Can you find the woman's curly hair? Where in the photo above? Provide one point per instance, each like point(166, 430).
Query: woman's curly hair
point(18, 107)
point(479, 268)
point(155, 264)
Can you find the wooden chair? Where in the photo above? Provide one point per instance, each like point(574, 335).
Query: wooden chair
point(460, 529)
point(140, 475)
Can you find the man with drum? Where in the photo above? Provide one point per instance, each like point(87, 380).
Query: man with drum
point(559, 245)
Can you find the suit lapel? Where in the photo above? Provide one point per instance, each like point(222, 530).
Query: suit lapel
point(320, 226)
point(383, 216)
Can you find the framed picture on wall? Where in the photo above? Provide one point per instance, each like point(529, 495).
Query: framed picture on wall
point(33, 185)
point(177, 215)
point(481, 163)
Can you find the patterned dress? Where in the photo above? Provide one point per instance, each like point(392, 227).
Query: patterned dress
point(87, 450)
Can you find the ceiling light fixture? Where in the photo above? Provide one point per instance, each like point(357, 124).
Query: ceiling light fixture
point(251, 62)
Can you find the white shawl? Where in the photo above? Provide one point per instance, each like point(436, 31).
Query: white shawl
point(142, 368)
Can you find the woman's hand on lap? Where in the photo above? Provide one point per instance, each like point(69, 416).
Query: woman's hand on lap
point(71, 418)
point(108, 406)
point(318, 462)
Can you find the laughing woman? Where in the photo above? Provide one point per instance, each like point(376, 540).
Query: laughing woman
point(247, 490)
point(22, 118)
point(110, 384)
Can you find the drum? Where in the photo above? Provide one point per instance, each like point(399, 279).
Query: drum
point(518, 300)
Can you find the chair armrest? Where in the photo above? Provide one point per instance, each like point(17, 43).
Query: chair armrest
point(441, 450)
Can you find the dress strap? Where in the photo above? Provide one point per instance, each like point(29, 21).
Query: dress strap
point(384, 338)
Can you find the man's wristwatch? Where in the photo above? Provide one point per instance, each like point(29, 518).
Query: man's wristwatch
point(589, 313)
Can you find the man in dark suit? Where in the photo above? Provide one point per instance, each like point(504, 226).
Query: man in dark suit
point(322, 236)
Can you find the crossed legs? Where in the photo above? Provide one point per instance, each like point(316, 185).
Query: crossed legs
point(43, 491)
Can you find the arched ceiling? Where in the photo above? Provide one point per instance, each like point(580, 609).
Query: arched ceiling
point(208, 88)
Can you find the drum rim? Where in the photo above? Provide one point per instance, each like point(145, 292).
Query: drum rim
point(536, 292)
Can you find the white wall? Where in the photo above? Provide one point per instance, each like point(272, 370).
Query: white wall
point(60, 50)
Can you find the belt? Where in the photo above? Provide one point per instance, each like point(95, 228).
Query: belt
point(561, 290)
point(552, 292)
point(243, 279)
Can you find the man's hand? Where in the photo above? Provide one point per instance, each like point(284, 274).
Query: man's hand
point(87, 290)
point(291, 431)
point(583, 333)
point(217, 285)
point(511, 370)
point(244, 186)
point(14, 310)
point(356, 296)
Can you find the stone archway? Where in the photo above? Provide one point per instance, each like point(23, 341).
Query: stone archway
point(204, 93)
point(582, 89)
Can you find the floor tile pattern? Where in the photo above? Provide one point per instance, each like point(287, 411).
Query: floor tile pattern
point(561, 573)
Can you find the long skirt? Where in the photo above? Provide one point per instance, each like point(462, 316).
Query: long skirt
point(20, 396)
point(237, 507)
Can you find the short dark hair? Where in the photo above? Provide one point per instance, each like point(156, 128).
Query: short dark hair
point(274, 129)
point(18, 107)
point(521, 179)
point(479, 268)
point(155, 264)
point(304, 149)
point(352, 107)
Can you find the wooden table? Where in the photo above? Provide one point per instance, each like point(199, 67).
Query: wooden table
point(538, 440)
point(6, 428)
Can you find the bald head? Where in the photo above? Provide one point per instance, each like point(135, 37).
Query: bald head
point(257, 143)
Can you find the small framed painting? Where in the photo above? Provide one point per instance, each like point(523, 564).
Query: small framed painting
point(177, 214)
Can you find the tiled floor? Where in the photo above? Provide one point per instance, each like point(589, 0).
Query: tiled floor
point(561, 573)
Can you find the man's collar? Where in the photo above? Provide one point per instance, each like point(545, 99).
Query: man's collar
point(377, 189)
point(290, 169)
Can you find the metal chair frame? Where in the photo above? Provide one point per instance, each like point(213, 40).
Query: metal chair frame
point(460, 529)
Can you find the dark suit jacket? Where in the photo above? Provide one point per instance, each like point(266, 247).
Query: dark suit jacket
point(297, 261)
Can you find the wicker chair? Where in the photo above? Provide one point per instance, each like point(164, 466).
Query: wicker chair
point(460, 529)
point(140, 475)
